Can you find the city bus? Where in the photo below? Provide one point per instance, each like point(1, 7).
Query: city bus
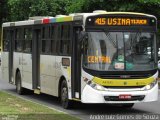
point(100, 57)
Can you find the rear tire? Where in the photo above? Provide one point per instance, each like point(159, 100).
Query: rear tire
point(66, 103)
point(19, 88)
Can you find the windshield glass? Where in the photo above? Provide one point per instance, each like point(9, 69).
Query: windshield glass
point(119, 51)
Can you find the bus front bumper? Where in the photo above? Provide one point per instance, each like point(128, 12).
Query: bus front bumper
point(90, 95)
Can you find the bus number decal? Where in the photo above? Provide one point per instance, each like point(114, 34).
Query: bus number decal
point(100, 21)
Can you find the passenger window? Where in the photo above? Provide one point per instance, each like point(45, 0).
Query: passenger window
point(46, 40)
point(5, 40)
point(18, 40)
point(65, 44)
point(28, 40)
point(53, 40)
point(46, 46)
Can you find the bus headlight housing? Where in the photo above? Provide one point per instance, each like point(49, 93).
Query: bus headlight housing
point(150, 86)
point(95, 85)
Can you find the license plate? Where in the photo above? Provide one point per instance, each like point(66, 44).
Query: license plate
point(125, 96)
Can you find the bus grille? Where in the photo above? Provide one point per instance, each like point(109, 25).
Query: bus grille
point(103, 76)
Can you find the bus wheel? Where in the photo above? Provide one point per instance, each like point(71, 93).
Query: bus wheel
point(128, 105)
point(19, 87)
point(66, 103)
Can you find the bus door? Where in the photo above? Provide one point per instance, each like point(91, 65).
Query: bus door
point(10, 62)
point(76, 65)
point(36, 58)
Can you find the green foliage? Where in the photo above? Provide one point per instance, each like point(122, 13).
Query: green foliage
point(23, 9)
point(150, 1)
point(115, 5)
point(109, 5)
point(3, 11)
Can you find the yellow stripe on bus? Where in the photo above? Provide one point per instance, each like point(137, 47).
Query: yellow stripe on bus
point(69, 71)
point(123, 82)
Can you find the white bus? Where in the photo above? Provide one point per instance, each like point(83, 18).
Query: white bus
point(99, 57)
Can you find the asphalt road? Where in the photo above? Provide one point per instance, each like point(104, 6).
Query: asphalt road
point(85, 111)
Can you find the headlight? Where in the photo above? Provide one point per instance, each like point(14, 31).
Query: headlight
point(95, 86)
point(99, 87)
point(150, 86)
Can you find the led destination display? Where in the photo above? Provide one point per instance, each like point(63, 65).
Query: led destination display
point(120, 21)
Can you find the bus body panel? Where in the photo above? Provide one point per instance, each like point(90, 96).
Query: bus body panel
point(5, 67)
point(90, 95)
point(27, 70)
point(17, 64)
point(22, 62)
point(47, 75)
point(63, 71)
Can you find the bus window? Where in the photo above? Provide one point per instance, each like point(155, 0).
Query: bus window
point(5, 40)
point(28, 40)
point(53, 40)
point(46, 41)
point(65, 40)
point(18, 40)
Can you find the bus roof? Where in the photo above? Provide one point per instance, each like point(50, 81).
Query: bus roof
point(65, 18)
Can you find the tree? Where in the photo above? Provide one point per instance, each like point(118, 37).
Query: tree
point(23, 9)
point(3, 14)
point(109, 5)
point(144, 6)
point(3, 11)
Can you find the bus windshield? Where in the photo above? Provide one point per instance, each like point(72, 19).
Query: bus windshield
point(119, 51)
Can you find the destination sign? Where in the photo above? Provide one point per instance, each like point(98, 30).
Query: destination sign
point(120, 21)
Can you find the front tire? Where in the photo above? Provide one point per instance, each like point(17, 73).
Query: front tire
point(66, 103)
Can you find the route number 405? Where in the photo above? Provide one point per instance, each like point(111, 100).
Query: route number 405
point(100, 21)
